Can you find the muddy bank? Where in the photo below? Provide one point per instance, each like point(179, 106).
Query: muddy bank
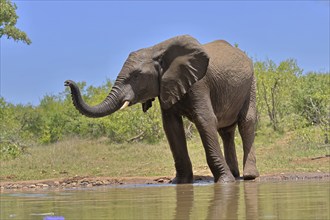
point(88, 182)
point(80, 182)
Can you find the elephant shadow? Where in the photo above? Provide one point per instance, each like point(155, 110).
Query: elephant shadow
point(229, 201)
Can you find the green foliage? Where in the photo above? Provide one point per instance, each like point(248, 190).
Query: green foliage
point(56, 119)
point(287, 101)
point(275, 84)
point(9, 150)
point(312, 104)
point(312, 98)
point(15, 129)
point(8, 20)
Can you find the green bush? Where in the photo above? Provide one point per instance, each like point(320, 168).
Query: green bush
point(287, 101)
point(9, 150)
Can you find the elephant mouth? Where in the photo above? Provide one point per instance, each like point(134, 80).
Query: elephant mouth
point(128, 103)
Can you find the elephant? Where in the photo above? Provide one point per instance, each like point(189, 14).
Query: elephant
point(212, 85)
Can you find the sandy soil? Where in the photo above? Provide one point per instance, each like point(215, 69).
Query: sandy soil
point(88, 182)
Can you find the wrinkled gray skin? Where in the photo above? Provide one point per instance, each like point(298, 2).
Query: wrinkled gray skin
point(213, 85)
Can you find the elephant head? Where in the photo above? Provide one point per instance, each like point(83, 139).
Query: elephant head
point(166, 70)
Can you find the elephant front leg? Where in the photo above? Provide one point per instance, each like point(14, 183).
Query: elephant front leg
point(174, 130)
point(206, 126)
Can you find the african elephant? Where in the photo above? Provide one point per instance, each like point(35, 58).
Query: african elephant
point(213, 85)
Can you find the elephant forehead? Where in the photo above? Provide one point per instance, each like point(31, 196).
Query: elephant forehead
point(137, 59)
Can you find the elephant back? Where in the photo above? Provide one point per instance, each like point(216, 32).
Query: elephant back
point(229, 63)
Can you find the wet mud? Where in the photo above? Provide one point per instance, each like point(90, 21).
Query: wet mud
point(88, 182)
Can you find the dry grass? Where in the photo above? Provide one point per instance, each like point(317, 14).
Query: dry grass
point(93, 158)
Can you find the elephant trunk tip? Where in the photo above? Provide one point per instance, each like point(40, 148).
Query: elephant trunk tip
point(69, 83)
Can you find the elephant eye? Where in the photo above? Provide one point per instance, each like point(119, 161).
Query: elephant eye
point(161, 63)
point(158, 66)
point(135, 75)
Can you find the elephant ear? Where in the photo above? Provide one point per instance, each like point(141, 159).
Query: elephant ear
point(184, 63)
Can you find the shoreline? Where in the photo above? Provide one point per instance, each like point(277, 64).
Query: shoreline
point(89, 182)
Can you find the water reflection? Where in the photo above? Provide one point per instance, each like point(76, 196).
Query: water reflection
point(184, 201)
point(224, 204)
point(223, 201)
point(242, 200)
point(250, 200)
point(251, 193)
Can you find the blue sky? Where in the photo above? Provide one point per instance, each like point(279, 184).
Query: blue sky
point(90, 40)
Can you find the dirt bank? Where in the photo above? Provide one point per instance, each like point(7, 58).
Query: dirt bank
point(88, 182)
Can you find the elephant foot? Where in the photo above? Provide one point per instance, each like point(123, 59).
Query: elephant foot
point(225, 178)
point(183, 180)
point(250, 174)
point(235, 173)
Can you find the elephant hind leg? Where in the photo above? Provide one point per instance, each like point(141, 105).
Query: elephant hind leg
point(246, 127)
point(228, 137)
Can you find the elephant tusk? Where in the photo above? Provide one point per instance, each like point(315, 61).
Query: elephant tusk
point(124, 105)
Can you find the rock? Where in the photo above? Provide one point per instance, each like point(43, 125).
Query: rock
point(105, 182)
point(97, 183)
point(14, 186)
point(83, 183)
point(160, 180)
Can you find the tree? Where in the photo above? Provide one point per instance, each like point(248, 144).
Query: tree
point(311, 103)
point(275, 86)
point(8, 20)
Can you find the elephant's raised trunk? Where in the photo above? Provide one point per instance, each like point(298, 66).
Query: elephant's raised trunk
point(108, 106)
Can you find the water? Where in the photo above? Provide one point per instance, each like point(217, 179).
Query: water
point(242, 200)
